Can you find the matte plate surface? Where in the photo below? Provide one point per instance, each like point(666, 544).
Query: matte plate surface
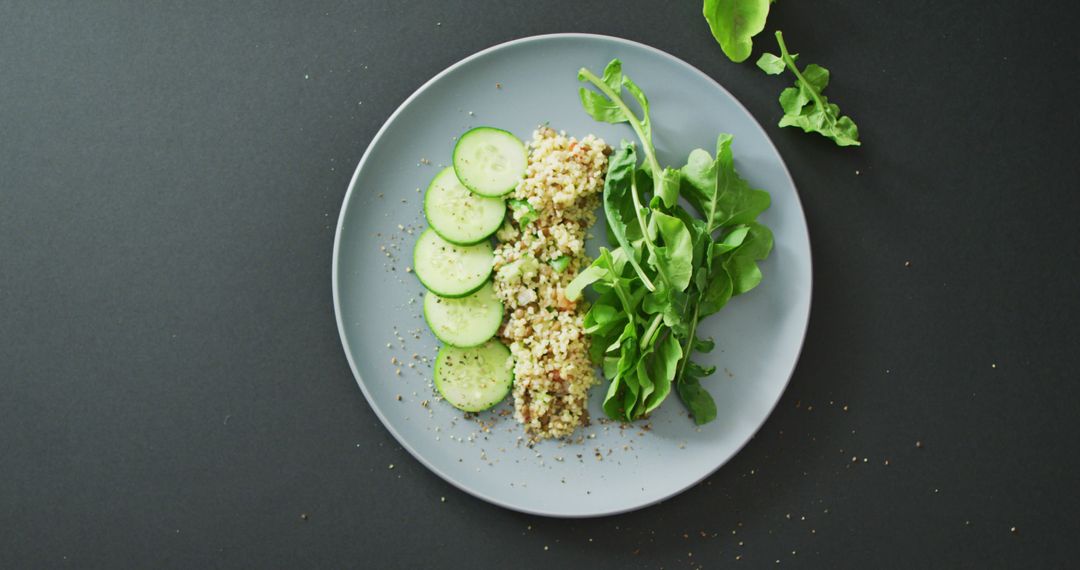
point(517, 86)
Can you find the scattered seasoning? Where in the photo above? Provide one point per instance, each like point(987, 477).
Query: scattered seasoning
point(303, 516)
point(907, 263)
point(1013, 530)
point(845, 406)
point(391, 466)
point(399, 397)
point(918, 444)
point(442, 499)
point(498, 85)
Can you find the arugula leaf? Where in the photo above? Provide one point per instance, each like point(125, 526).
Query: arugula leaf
point(676, 254)
point(666, 362)
point(717, 294)
point(734, 23)
point(697, 399)
point(618, 186)
point(773, 65)
point(716, 190)
point(805, 106)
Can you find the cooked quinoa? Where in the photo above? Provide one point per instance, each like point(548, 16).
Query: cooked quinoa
point(545, 333)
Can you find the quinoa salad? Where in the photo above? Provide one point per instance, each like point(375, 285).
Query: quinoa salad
point(541, 248)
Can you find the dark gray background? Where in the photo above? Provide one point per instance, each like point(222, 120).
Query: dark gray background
point(172, 388)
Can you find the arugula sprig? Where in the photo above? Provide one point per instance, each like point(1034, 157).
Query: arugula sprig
point(672, 267)
point(805, 105)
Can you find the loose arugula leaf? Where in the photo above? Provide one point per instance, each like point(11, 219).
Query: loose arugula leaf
point(734, 23)
point(805, 106)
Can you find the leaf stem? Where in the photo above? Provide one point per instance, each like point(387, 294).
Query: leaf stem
point(790, 62)
point(638, 208)
point(689, 344)
point(646, 339)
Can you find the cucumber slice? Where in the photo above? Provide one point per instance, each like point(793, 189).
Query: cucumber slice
point(450, 270)
point(465, 322)
point(474, 379)
point(490, 161)
point(458, 215)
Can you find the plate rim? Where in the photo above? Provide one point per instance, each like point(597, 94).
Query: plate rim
point(335, 270)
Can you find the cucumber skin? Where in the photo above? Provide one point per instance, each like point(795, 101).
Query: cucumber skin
point(448, 343)
point(453, 160)
point(438, 384)
point(455, 242)
point(421, 280)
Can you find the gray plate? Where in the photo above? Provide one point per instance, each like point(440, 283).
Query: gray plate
point(612, 468)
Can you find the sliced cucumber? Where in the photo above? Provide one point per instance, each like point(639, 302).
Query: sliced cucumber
point(474, 379)
point(490, 161)
point(458, 215)
point(450, 270)
point(465, 322)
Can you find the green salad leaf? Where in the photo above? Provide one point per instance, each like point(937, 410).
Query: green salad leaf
point(672, 266)
point(734, 23)
point(805, 106)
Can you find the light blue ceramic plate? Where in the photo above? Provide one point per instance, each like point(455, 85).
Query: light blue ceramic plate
point(517, 86)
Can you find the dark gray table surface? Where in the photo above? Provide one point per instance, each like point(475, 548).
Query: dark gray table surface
point(172, 388)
